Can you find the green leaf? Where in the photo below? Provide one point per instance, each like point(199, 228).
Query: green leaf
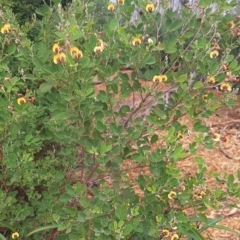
point(107, 30)
point(197, 85)
point(46, 87)
point(11, 49)
point(2, 237)
point(154, 138)
point(233, 65)
point(37, 61)
point(77, 35)
point(113, 24)
point(105, 148)
point(121, 213)
point(198, 127)
point(230, 179)
point(128, 229)
point(40, 229)
point(182, 78)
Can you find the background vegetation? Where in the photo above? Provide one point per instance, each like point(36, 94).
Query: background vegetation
point(61, 138)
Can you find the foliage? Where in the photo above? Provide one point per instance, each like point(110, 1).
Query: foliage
point(64, 143)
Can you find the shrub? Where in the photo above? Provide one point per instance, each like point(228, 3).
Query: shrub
point(70, 120)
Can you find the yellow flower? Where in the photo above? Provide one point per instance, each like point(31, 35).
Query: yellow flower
point(59, 58)
point(211, 80)
point(226, 87)
point(121, 2)
point(98, 49)
point(172, 194)
point(204, 97)
point(180, 136)
point(21, 100)
point(159, 78)
point(174, 236)
point(150, 7)
point(231, 24)
point(216, 137)
point(214, 54)
point(100, 43)
point(184, 211)
point(202, 193)
point(111, 7)
point(165, 232)
point(5, 29)
point(136, 41)
point(56, 48)
point(76, 53)
point(15, 235)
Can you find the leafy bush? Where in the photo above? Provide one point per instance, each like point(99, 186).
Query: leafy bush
point(70, 120)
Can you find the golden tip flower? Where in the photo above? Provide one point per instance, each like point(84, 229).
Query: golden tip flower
point(180, 136)
point(15, 235)
point(174, 237)
point(121, 2)
point(111, 7)
point(56, 48)
point(159, 78)
point(76, 53)
point(136, 41)
point(150, 7)
point(21, 100)
point(184, 211)
point(172, 194)
point(5, 29)
point(211, 80)
point(231, 24)
point(100, 43)
point(204, 97)
point(59, 58)
point(214, 54)
point(226, 87)
point(165, 232)
point(98, 49)
point(216, 137)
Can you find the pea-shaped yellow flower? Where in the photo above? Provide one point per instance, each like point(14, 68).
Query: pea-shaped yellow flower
point(136, 41)
point(226, 87)
point(159, 78)
point(172, 194)
point(214, 54)
point(15, 235)
point(21, 100)
point(98, 49)
point(150, 7)
point(76, 53)
point(6, 28)
point(59, 58)
point(231, 24)
point(56, 48)
point(121, 2)
point(111, 7)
